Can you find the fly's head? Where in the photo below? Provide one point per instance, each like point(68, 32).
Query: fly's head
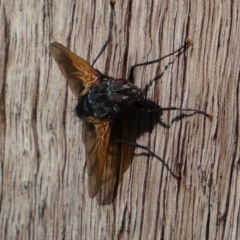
point(125, 93)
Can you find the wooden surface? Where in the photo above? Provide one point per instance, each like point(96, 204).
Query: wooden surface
point(43, 179)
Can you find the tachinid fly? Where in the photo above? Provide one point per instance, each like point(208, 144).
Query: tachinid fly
point(100, 99)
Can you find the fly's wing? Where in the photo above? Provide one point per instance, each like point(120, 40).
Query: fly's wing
point(96, 134)
point(119, 158)
point(107, 159)
point(79, 74)
point(109, 182)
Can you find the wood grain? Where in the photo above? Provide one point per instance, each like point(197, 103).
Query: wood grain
point(43, 180)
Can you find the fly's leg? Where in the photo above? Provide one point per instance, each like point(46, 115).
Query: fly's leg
point(188, 43)
point(152, 154)
point(161, 109)
point(112, 2)
point(194, 111)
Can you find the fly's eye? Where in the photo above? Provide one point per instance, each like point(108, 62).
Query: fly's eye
point(119, 83)
point(119, 101)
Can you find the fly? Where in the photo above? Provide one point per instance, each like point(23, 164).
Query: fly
point(100, 100)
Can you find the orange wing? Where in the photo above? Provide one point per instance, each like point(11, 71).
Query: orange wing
point(96, 134)
point(112, 175)
point(79, 74)
point(107, 159)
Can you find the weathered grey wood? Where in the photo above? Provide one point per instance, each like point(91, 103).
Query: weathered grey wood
point(43, 180)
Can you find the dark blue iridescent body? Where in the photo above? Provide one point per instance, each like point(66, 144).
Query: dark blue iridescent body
point(107, 98)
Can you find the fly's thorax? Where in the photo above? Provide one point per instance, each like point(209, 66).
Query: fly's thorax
point(125, 93)
point(106, 99)
point(97, 102)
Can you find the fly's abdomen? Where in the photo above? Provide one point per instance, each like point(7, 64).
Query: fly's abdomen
point(97, 102)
